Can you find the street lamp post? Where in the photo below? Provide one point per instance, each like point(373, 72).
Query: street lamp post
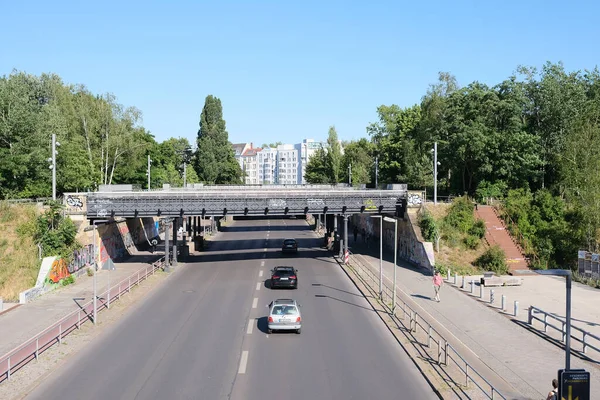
point(380, 255)
point(395, 221)
point(376, 171)
point(95, 266)
point(52, 161)
point(148, 173)
point(566, 273)
point(350, 174)
point(435, 165)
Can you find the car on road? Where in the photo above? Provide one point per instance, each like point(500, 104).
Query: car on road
point(284, 277)
point(284, 315)
point(289, 246)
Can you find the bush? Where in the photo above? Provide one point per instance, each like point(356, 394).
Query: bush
point(460, 216)
point(478, 229)
point(90, 271)
point(67, 281)
point(460, 270)
point(428, 227)
point(493, 260)
point(472, 242)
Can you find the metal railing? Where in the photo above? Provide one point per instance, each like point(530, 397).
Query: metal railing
point(585, 336)
point(445, 352)
point(31, 349)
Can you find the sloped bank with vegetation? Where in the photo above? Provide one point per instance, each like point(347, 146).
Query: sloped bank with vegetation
point(30, 233)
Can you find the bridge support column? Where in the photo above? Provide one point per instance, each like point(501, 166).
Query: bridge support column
point(189, 226)
point(167, 259)
point(345, 234)
point(335, 223)
point(176, 225)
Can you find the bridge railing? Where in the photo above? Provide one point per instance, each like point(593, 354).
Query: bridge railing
point(443, 352)
point(31, 349)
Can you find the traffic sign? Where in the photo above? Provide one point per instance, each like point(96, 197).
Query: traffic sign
point(574, 384)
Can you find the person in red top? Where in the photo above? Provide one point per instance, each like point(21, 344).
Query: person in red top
point(437, 284)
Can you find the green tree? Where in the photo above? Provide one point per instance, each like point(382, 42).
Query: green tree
point(334, 155)
point(215, 159)
point(359, 154)
point(317, 169)
point(271, 145)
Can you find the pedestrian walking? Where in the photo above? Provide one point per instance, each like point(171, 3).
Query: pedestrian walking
point(553, 394)
point(437, 284)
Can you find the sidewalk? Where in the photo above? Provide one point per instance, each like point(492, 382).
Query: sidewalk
point(522, 358)
point(23, 322)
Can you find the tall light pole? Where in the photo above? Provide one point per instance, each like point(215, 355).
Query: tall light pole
point(566, 273)
point(148, 173)
point(350, 174)
point(435, 165)
point(380, 255)
point(184, 175)
point(52, 161)
point(95, 263)
point(395, 221)
point(376, 171)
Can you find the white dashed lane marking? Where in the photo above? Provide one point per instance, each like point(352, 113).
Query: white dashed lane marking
point(250, 326)
point(258, 285)
point(260, 273)
point(255, 302)
point(243, 362)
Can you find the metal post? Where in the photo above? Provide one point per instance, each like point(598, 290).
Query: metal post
point(53, 166)
point(516, 309)
point(435, 173)
point(95, 273)
point(462, 286)
point(395, 263)
point(492, 296)
point(472, 285)
point(481, 291)
point(503, 303)
point(350, 174)
point(381, 258)
point(345, 235)
point(149, 161)
point(568, 339)
point(429, 336)
point(376, 171)
point(455, 278)
point(167, 258)
point(184, 175)
point(448, 275)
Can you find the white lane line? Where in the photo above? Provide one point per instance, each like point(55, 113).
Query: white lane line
point(260, 273)
point(262, 264)
point(258, 285)
point(250, 326)
point(243, 362)
point(255, 302)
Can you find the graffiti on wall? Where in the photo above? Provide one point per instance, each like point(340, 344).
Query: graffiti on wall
point(81, 258)
point(58, 271)
point(415, 198)
point(75, 203)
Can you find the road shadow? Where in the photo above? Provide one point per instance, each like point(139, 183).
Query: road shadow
point(263, 326)
point(344, 301)
point(339, 290)
point(267, 284)
point(255, 254)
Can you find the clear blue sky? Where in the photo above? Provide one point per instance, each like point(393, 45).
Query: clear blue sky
point(287, 70)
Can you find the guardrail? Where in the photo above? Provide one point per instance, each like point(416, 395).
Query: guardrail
point(445, 352)
point(584, 339)
point(31, 349)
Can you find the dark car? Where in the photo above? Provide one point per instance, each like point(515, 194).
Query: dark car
point(289, 246)
point(284, 277)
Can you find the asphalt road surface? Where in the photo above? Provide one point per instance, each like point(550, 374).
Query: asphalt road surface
point(202, 335)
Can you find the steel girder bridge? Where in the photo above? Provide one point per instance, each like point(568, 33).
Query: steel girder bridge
point(246, 201)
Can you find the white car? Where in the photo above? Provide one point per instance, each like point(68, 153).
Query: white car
point(284, 315)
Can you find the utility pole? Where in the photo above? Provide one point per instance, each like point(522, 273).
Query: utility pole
point(350, 174)
point(184, 175)
point(52, 162)
point(376, 171)
point(148, 173)
point(435, 165)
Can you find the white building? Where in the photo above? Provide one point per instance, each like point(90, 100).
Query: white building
point(287, 165)
point(250, 165)
point(284, 165)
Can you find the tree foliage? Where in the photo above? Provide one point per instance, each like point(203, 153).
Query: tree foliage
point(215, 159)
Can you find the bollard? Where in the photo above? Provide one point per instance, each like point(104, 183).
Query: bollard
point(463, 282)
point(492, 296)
point(481, 291)
point(472, 286)
point(448, 273)
point(455, 278)
point(516, 308)
point(503, 303)
point(1, 304)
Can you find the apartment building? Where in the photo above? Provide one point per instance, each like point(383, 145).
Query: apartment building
point(284, 165)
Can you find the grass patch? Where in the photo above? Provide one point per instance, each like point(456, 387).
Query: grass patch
point(19, 263)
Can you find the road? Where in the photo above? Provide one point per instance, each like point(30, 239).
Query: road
point(202, 335)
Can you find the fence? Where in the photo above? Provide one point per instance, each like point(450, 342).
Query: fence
point(585, 338)
point(30, 350)
point(444, 352)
